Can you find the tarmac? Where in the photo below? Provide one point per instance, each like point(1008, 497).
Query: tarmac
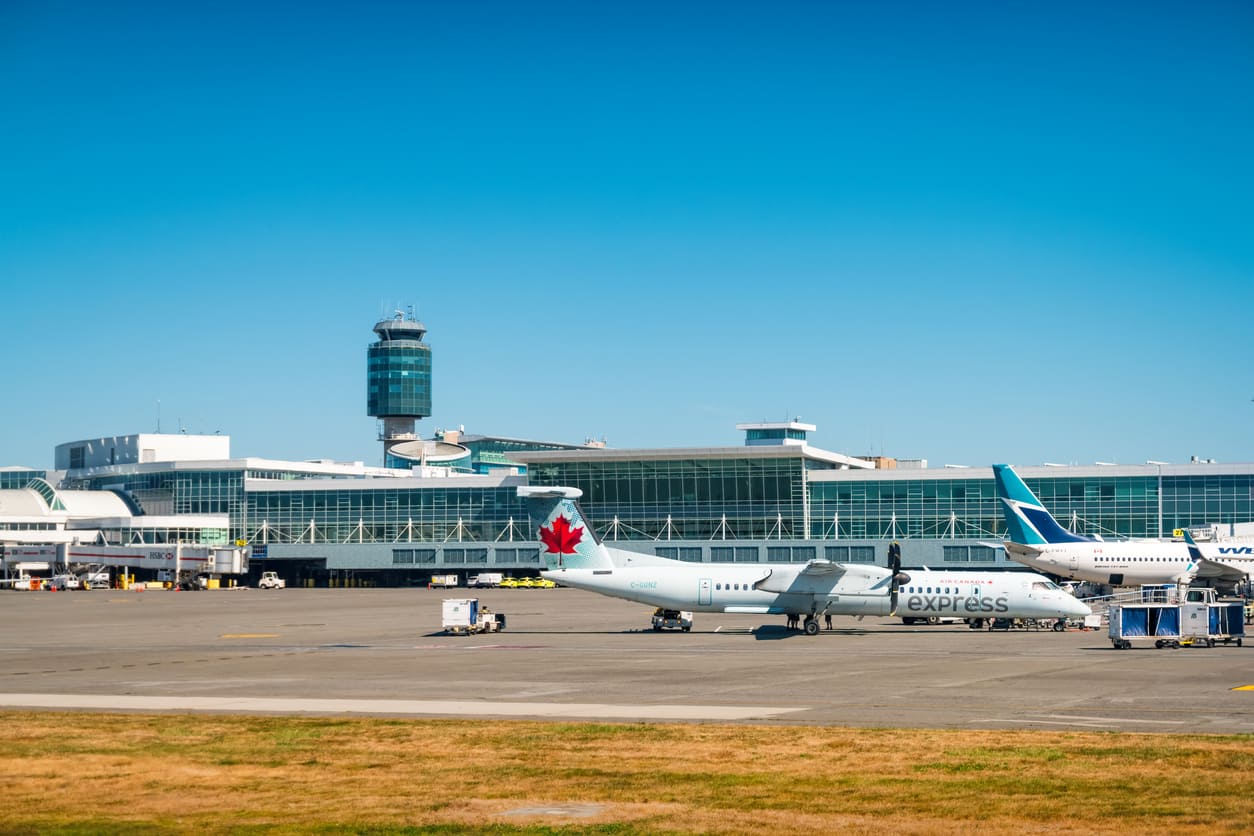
point(573, 655)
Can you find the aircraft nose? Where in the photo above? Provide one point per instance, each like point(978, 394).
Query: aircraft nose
point(1077, 608)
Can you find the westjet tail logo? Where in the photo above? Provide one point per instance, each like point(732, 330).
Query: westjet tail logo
point(560, 538)
point(1245, 550)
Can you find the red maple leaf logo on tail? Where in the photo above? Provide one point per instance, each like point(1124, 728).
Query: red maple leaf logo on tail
point(560, 538)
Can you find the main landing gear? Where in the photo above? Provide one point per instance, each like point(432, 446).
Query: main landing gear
point(812, 625)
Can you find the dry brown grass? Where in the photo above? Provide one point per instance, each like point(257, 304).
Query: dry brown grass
point(139, 773)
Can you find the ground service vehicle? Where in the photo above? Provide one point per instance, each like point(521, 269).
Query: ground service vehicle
point(485, 580)
point(464, 616)
point(271, 580)
point(1200, 620)
point(96, 579)
point(664, 619)
point(443, 581)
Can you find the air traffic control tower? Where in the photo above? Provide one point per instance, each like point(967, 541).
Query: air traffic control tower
point(398, 378)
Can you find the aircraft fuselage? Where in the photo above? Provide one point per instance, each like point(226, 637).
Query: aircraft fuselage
point(732, 588)
point(1124, 563)
point(736, 588)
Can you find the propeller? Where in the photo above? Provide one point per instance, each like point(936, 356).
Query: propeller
point(898, 577)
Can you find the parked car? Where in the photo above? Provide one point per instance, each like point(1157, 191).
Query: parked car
point(271, 580)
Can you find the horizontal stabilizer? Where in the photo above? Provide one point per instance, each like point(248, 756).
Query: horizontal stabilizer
point(543, 492)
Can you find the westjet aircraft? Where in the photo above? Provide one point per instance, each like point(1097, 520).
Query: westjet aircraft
point(1036, 539)
point(574, 556)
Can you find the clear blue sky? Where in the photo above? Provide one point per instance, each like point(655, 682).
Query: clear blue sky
point(966, 232)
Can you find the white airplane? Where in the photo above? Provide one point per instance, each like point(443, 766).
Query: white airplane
point(1036, 539)
point(574, 556)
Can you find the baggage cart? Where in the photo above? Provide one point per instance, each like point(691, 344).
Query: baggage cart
point(464, 616)
point(1199, 621)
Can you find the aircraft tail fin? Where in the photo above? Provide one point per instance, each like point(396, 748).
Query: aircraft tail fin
point(1027, 520)
point(1195, 554)
point(566, 538)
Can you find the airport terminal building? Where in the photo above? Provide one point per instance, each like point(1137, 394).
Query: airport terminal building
point(325, 522)
point(450, 504)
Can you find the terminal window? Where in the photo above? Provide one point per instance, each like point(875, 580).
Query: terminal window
point(404, 556)
point(850, 554)
point(734, 554)
point(778, 554)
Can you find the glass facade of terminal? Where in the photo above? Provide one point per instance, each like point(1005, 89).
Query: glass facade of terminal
point(696, 499)
point(1202, 500)
point(774, 435)
point(12, 480)
point(767, 499)
point(489, 453)
point(730, 498)
point(182, 491)
point(387, 515)
point(134, 536)
point(1111, 506)
point(214, 491)
point(892, 510)
point(1118, 506)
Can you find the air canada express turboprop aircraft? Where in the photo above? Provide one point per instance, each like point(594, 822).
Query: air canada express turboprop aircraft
point(1036, 539)
point(574, 556)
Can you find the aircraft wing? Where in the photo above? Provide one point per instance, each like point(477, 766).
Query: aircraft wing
point(805, 578)
point(1214, 570)
point(1012, 548)
point(821, 569)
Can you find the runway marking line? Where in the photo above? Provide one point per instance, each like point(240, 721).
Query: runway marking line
point(1244, 688)
point(456, 708)
point(1110, 719)
point(249, 636)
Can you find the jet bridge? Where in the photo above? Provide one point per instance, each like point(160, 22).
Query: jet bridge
point(174, 561)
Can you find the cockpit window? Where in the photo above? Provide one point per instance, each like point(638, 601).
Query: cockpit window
point(1045, 585)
